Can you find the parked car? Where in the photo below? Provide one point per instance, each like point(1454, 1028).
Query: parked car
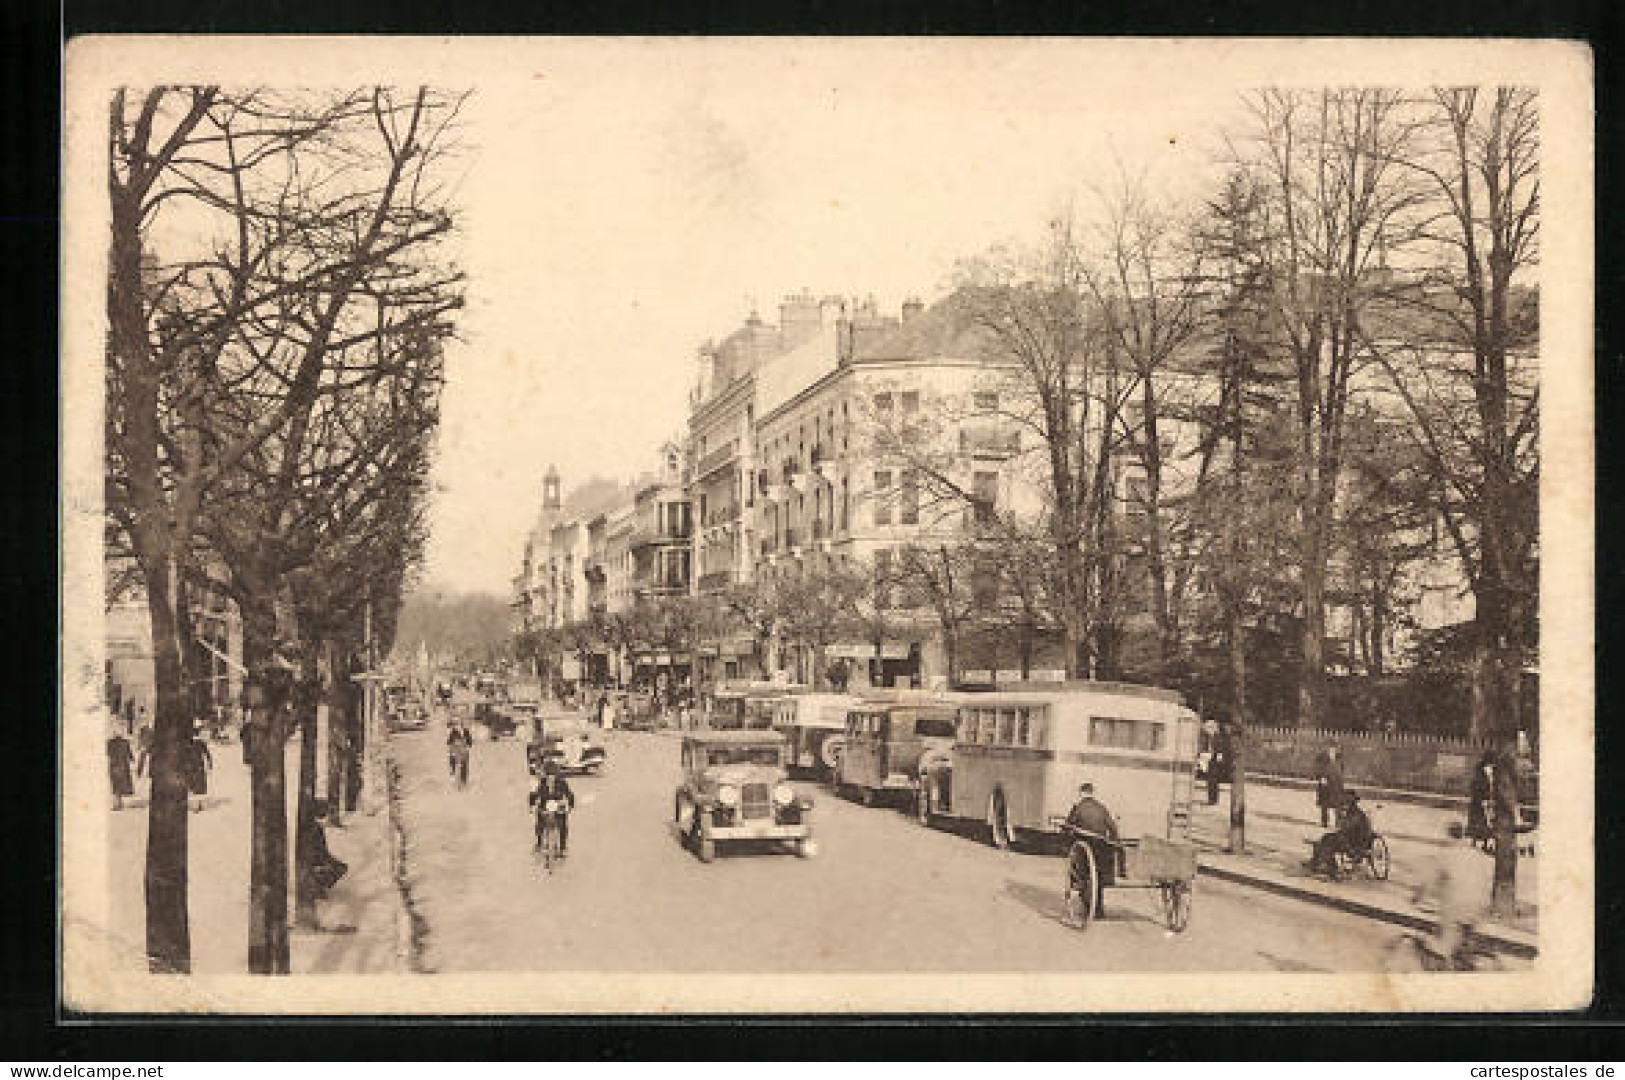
point(735, 787)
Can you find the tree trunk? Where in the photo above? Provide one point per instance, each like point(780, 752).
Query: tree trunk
point(169, 940)
point(268, 855)
point(1312, 676)
point(306, 843)
point(1238, 730)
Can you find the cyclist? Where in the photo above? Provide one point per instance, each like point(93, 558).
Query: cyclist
point(1457, 887)
point(459, 744)
point(552, 787)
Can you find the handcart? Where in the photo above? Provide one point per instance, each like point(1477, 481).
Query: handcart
point(1150, 862)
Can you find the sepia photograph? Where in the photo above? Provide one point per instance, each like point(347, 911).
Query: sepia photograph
point(826, 525)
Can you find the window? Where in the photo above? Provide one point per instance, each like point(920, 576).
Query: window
point(984, 496)
point(986, 402)
point(883, 405)
point(911, 402)
point(1023, 728)
point(882, 497)
point(910, 514)
point(987, 729)
point(1124, 734)
point(934, 725)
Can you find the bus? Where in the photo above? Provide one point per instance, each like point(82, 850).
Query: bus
point(888, 745)
point(747, 705)
point(811, 724)
point(1020, 757)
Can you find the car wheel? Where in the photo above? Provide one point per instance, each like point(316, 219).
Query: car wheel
point(866, 796)
point(704, 846)
point(998, 821)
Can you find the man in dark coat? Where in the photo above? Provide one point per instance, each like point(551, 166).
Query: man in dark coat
point(119, 759)
point(1352, 837)
point(1329, 791)
point(1090, 815)
point(552, 786)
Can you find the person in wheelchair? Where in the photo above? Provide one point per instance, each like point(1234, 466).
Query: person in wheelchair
point(1089, 815)
point(1352, 838)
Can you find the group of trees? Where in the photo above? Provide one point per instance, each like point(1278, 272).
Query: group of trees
point(279, 293)
point(1246, 412)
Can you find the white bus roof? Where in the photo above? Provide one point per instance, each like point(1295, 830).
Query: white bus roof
point(1076, 688)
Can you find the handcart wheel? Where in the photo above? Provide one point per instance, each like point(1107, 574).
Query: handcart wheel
point(1379, 858)
point(1082, 878)
point(1176, 904)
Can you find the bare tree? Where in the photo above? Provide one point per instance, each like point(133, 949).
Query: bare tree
point(1147, 290)
point(1460, 351)
point(1338, 203)
point(334, 240)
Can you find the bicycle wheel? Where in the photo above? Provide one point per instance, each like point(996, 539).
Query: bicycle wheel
point(1176, 904)
point(1082, 883)
point(1377, 858)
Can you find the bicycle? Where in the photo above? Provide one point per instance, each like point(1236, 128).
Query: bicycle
point(548, 820)
point(1416, 952)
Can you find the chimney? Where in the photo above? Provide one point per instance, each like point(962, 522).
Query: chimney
point(800, 316)
point(550, 490)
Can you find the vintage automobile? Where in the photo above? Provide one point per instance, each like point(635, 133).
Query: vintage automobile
point(888, 746)
point(636, 711)
point(735, 787)
point(493, 721)
point(566, 739)
point(813, 730)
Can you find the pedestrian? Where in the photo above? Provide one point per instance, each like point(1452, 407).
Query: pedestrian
point(198, 763)
point(119, 760)
point(1329, 792)
point(609, 716)
point(1480, 800)
point(143, 749)
point(1218, 764)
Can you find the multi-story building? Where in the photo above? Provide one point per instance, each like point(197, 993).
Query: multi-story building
point(832, 420)
point(662, 534)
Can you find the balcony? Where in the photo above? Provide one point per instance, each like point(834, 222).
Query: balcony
point(716, 459)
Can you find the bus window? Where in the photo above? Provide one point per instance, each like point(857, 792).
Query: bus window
point(1039, 731)
point(987, 728)
point(1007, 723)
point(1125, 734)
point(1023, 727)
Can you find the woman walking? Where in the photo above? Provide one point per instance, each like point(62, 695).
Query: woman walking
point(119, 760)
point(198, 763)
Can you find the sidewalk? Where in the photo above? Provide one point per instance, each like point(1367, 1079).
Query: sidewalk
point(357, 920)
point(1282, 821)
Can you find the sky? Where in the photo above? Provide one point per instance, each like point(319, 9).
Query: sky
point(625, 201)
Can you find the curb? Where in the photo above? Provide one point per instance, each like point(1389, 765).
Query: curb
point(1511, 942)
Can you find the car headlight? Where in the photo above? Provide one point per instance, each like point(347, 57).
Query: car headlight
point(784, 794)
point(728, 795)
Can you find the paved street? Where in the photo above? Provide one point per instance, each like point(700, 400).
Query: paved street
point(882, 895)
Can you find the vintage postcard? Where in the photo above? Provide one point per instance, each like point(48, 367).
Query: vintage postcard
point(648, 526)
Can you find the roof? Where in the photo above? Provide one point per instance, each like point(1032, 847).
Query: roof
point(1029, 691)
point(946, 328)
point(732, 737)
